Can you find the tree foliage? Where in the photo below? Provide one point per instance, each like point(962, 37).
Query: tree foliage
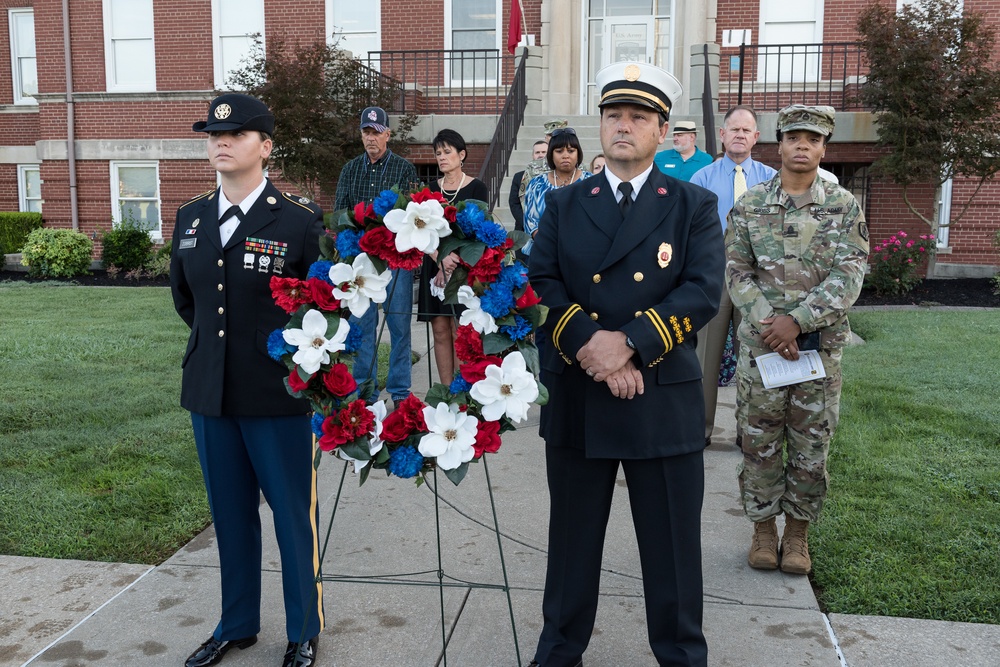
point(935, 93)
point(316, 92)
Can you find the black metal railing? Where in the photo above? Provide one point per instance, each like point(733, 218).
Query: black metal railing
point(769, 77)
point(455, 81)
point(505, 136)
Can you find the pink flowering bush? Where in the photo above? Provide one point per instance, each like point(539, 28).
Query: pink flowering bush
point(897, 263)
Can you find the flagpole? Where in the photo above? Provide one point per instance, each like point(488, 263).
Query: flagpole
point(524, 22)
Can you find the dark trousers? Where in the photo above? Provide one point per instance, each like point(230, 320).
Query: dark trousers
point(240, 458)
point(666, 498)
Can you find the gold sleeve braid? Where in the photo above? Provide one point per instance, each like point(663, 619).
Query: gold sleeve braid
point(561, 325)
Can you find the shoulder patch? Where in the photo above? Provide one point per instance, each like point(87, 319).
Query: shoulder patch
point(298, 201)
point(194, 199)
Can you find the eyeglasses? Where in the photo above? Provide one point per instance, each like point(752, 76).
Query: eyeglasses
point(563, 130)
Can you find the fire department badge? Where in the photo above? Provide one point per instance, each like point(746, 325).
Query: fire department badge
point(663, 255)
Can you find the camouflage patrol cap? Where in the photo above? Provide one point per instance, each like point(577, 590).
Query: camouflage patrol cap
point(818, 119)
point(553, 125)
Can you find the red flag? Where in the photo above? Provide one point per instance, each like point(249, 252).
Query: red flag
point(514, 27)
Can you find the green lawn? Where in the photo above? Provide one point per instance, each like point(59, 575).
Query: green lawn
point(912, 524)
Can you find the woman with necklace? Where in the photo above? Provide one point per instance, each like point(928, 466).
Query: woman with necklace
point(456, 186)
point(564, 158)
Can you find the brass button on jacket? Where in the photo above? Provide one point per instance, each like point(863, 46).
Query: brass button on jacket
point(597, 277)
point(593, 316)
point(638, 276)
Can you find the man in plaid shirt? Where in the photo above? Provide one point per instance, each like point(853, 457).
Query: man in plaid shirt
point(361, 180)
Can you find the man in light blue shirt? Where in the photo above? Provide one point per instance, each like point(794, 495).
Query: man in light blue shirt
point(728, 177)
point(684, 159)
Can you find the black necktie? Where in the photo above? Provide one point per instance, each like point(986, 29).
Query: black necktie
point(230, 212)
point(626, 201)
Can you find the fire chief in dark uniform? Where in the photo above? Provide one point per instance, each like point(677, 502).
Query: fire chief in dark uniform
point(251, 435)
point(629, 263)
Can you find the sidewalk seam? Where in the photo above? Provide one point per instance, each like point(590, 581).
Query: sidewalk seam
point(88, 616)
point(833, 638)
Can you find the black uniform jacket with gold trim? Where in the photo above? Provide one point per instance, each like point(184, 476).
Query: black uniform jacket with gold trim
point(657, 276)
point(224, 295)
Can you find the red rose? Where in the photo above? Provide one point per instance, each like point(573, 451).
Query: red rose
point(339, 380)
point(450, 214)
point(475, 371)
point(363, 212)
point(394, 428)
point(411, 409)
point(322, 294)
point(332, 436)
point(380, 242)
point(295, 381)
point(468, 344)
point(289, 293)
point(487, 438)
point(426, 194)
point(488, 267)
point(528, 299)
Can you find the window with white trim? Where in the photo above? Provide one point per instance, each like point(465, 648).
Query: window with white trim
point(29, 188)
point(135, 195)
point(24, 72)
point(357, 25)
point(129, 53)
point(473, 24)
point(235, 24)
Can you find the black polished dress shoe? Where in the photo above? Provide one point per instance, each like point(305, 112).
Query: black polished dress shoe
point(300, 655)
point(535, 664)
point(213, 650)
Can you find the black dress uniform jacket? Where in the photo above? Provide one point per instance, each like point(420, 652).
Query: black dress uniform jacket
point(224, 295)
point(657, 277)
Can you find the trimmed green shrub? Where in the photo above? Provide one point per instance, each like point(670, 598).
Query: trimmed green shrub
point(127, 246)
point(14, 230)
point(57, 253)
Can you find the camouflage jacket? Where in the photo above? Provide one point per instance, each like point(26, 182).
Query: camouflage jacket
point(802, 256)
point(534, 168)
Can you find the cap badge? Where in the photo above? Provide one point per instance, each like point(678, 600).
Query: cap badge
point(595, 191)
point(372, 115)
point(222, 111)
point(663, 255)
point(632, 72)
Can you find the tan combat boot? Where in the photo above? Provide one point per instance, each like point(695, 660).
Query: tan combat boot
point(764, 547)
point(795, 546)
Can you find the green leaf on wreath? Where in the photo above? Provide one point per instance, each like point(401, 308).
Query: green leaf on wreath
point(472, 252)
point(543, 395)
point(382, 457)
point(357, 449)
point(530, 354)
point(379, 264)
point(518, 237)
point(439, 393)
point(535, 315)
point(363, 477)
point(288, 388)
point(448, 245)
point(456, 475)
point(317, 458)
point(495, 343)
point(366, 389)
point(458, 278)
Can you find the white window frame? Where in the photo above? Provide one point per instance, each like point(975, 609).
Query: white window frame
point(22, 187)
point(109, 53)
point(811, 63)
point(332, 25)
point(156, 233)
point(448, 42)
point(220, 73)
point(15, 70)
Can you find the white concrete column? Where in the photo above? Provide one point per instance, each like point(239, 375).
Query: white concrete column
point(561, 42)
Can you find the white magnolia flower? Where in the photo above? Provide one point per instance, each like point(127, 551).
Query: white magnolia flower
point(480, 320)
point(452, 434)
point(359, 284)
point(507, 389)
point(375, 441)
point(420, 226)
point(311, 339)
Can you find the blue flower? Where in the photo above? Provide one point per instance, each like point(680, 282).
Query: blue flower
point(385, 202)
point(497, 301)
point(490, 233)
point(347, 243)
point(520, 329)
point(513, 276)
point(470, 218)
point(405, 462)
point(353, 340)
point(317, 424)
point(320, 269)
point(276, 345)
point(459, 384)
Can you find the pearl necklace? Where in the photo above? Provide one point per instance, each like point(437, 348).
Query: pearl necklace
point(451, 196)
point(555, 177)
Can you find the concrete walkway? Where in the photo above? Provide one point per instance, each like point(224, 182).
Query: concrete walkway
point(72, 613)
